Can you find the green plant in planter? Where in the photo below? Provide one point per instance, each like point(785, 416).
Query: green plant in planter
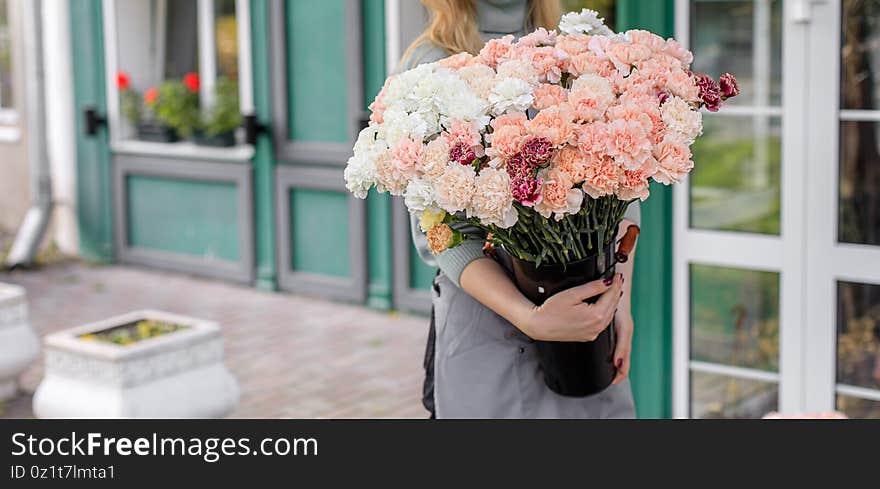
point(176, 104)
point(129, 99)
point(225, 116)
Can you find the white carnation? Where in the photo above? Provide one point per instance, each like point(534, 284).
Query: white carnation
point(399, 124)
point(682, 122)
point(360, 174)
point(584, 22)
point(419, 195)
point(510, 94)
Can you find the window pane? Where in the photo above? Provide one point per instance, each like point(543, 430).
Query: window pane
point(859, 219)
point(858, 334)
point(860, 54)
point(5, 58)
point(743, 37)
point(226, 36)
point(720, 396)
point(858, 408)
point(735, 182)
point(735, 317)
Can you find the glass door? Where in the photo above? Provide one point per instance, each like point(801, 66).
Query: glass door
point(777, 231)
point(843, 267)
point(738, 247)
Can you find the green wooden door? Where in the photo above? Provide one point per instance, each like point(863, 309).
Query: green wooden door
point(93, 177)
point(652, 278)
point(326, 60)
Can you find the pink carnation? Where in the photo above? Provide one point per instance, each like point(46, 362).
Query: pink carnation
point(648, 39)
point(547, 94)
point(506, 141)
point(540, 37)
point(558, 195)
point(462, 154)
point(624, 54)
point(389, 178)
point(407, 156)
point(571, 160)
point(549, 63)
point(378, 106)
point(674, 49)
point(465, 132)
point(629, 143)
point(573, 43)
point(633, 184)
point(590, 62)
point(673, 161)
point(555, 123)
point(590, 97)
point(682, 85)
point(602, 176)
point(457, 61)
point(593, 138)
point(495, 51)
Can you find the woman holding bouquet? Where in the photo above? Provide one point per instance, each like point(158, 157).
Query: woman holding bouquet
point(482, 361)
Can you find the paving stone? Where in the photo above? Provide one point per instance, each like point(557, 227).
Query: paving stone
point(294, 356)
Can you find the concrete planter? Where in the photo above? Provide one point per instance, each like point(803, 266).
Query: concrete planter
point(19, 345)
point(176, 375)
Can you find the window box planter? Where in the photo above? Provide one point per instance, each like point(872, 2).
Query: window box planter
point(177, 374)
point(19, 344)
point(156, 133)
point(222, 140)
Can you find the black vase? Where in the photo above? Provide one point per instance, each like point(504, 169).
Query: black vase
point(574, 369)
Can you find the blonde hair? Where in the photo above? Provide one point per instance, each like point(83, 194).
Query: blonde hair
point(454, 26)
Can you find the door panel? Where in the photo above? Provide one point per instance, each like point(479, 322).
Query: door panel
point(318, 104)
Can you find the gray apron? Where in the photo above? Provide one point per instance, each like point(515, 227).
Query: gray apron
point(485, 367)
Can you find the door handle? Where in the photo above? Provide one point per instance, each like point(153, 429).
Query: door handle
point(93, 120)
point(802, 10)
point(252, 128)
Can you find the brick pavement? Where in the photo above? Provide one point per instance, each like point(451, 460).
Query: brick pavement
point(294, 357)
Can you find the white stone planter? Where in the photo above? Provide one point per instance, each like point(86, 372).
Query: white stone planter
point(19, 344)
point(175, 375)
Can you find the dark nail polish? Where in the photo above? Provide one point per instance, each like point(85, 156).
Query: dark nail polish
point(621, 293)
point(608, 281)
point(619, 362)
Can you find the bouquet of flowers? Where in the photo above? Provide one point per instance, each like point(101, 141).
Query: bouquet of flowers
point(538, 146)
point(541, 142)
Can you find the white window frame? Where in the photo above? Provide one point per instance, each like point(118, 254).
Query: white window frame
point(806, 252)
point(207, 78)
point(783, 254)
point(8, 112)
point(830, 261)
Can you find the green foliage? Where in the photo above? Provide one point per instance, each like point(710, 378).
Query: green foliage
point(225, 115)
point(177, 107)
point(132, 333)
point(130, 102)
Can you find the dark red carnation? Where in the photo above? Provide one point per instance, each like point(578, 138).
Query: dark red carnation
point(537, 151)
point(710, 92)
point(728, 85)
point(462, 153)
point(526, 190)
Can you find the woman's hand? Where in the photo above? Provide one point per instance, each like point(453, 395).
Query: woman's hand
point(623, 324)
point(566, 317)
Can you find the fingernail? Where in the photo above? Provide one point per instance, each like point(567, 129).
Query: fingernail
point(619, 362)
point(608, 281)
point(621, 293)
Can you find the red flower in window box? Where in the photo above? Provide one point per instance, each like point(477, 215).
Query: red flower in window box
point(191, 80)
point(151, 95)
point(123, 82)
